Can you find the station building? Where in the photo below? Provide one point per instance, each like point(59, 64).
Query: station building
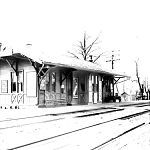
point(26, 80)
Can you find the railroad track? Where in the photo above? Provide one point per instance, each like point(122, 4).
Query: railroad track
point(127, 117)
point(88, 113)
point(143, 105)
point(79, 111)
point(98, 147)
point(58, 114)
point(136, 104)
point(45, 118)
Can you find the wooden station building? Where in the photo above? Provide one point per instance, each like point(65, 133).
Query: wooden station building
point(45, 82)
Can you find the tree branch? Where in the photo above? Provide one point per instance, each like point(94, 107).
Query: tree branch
point(85, 49)
point(98, 57)
point(81, 46)
point(73, 55)
point(91, 45)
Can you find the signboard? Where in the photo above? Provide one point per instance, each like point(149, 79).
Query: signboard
point(31, 84)
point(4, 86)
point(75, 88)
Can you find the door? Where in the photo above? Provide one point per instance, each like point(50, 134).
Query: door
point(82, 90)
point(69, 88)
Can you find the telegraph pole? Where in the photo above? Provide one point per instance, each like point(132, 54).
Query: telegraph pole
point(112, 60)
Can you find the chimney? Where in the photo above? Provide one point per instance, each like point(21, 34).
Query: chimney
point(91, 58)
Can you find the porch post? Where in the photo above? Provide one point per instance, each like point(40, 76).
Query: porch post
point(38, 90)
point(95, 80)
point(100, 89)
point(90, 90)
point(113, 86)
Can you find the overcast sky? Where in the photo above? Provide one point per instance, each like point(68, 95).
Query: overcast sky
point(55, 26)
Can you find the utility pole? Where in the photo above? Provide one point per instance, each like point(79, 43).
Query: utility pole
point(112, 60)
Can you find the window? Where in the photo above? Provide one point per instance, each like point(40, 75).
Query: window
point(53, 81)
point(63, 84)
point(47, 82)
point(43, 83)
point(17, 82)
point(20, 81)
point(4, 86)
point(13, 82)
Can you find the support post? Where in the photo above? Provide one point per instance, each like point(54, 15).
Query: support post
point(90, 90)
point(100, 88)
point(113, 86)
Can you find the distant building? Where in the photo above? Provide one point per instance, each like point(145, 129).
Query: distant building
point(45, 81)
point(125, 97)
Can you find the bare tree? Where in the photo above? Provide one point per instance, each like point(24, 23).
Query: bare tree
point(85, 51)
point(138, 78)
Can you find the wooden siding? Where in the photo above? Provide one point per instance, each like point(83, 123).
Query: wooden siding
point(15, 98)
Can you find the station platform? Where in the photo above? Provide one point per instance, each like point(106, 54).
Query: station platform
point(35, 111)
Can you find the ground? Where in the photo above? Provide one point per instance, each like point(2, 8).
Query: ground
point(120, 126)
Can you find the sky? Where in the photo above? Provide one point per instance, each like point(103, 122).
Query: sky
point(55, 27)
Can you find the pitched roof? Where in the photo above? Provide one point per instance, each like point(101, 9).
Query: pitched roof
point(78, 64)
point(65, 61)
